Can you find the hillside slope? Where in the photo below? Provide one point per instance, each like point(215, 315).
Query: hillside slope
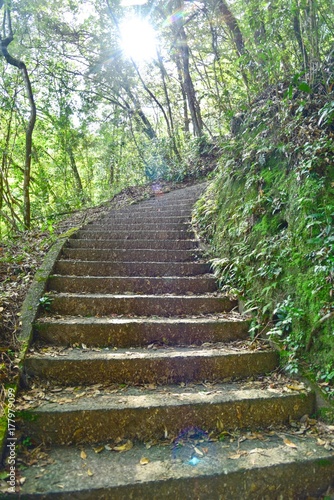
point(268, 216)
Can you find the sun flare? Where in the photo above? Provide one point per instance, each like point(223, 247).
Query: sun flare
point(138, 39)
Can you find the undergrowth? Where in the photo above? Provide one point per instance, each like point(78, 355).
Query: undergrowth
point(268, 216)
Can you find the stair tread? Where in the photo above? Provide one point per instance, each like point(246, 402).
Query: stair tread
point(168, 470)
point(143, 353)
point(140, 296)
point(95, 398)
point(121, 319)
point(188, 264)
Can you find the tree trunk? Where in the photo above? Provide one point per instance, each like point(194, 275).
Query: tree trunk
point(77, 179)
point(189, 88)
point(233, 26)
point(186, 120)
point(32, 118)
point(238, 39)
point(171, 131)
point(299, 38)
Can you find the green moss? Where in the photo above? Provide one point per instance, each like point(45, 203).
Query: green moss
point(327, 415)
point(26, 416)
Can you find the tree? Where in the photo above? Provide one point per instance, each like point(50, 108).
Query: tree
point(183, 62)
point(5, 41)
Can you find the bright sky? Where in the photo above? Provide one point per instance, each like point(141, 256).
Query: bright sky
point(128, 3)
point(138, 39)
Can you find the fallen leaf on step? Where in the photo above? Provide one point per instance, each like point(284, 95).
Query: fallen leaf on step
point(296, 387)
point(198, 451)
point(98, 449)
point(83, 455)
point(236, 456)
point(124, 447)
point(254, 435)
point(90, 473)
point(144, 461)
point(289, 443)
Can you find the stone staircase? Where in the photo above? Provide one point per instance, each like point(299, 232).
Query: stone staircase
point(142, 383)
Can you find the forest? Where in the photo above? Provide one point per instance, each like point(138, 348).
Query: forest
point(97, 96)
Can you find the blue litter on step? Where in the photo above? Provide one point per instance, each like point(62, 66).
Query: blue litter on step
point(194, 461)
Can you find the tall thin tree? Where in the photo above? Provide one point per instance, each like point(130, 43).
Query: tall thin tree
point(5, 40)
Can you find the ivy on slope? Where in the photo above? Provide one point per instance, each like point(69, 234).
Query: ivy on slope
point(268, 216)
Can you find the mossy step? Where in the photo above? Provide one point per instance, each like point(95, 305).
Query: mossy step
point(134, 218)
point(147, 366)
point(159, 205)
point(141, 244)
point(114, 234)
point(157, 210)
point(146, 413)
point(139, 226)
point(162, 203)
point(126, 255)
point(266, 469)
point(129, 332)
point(105, 268)
point(135, 284)
point(147, 305)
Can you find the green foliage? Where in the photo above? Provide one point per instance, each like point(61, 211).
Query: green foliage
point(268, 216)
point(45, 302)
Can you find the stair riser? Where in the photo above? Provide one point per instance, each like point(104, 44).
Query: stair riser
point(126, 235)
point(138, 226)
point(138, 305)
point(151, 219)
point(163, 206)
point(156, 211)
point(151, 371)
point(140, 333)
point(133, 244)
point(179, 286)
point(129, 269)
point(102, 424)
point(129, 255)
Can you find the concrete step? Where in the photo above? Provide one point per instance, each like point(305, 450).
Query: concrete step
point(159, 207)
point(113, 234)
point(103, 268)
point(133, 244)
point(170, 198)
point(133, 217)
point(125, 255)
point(266, 469)
point(148, 211)
point(139, 226)
point(162, 202)
point(96, 416)
point(131, 332)
point(139, 305)
point(137, 284)
point(147, 366)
